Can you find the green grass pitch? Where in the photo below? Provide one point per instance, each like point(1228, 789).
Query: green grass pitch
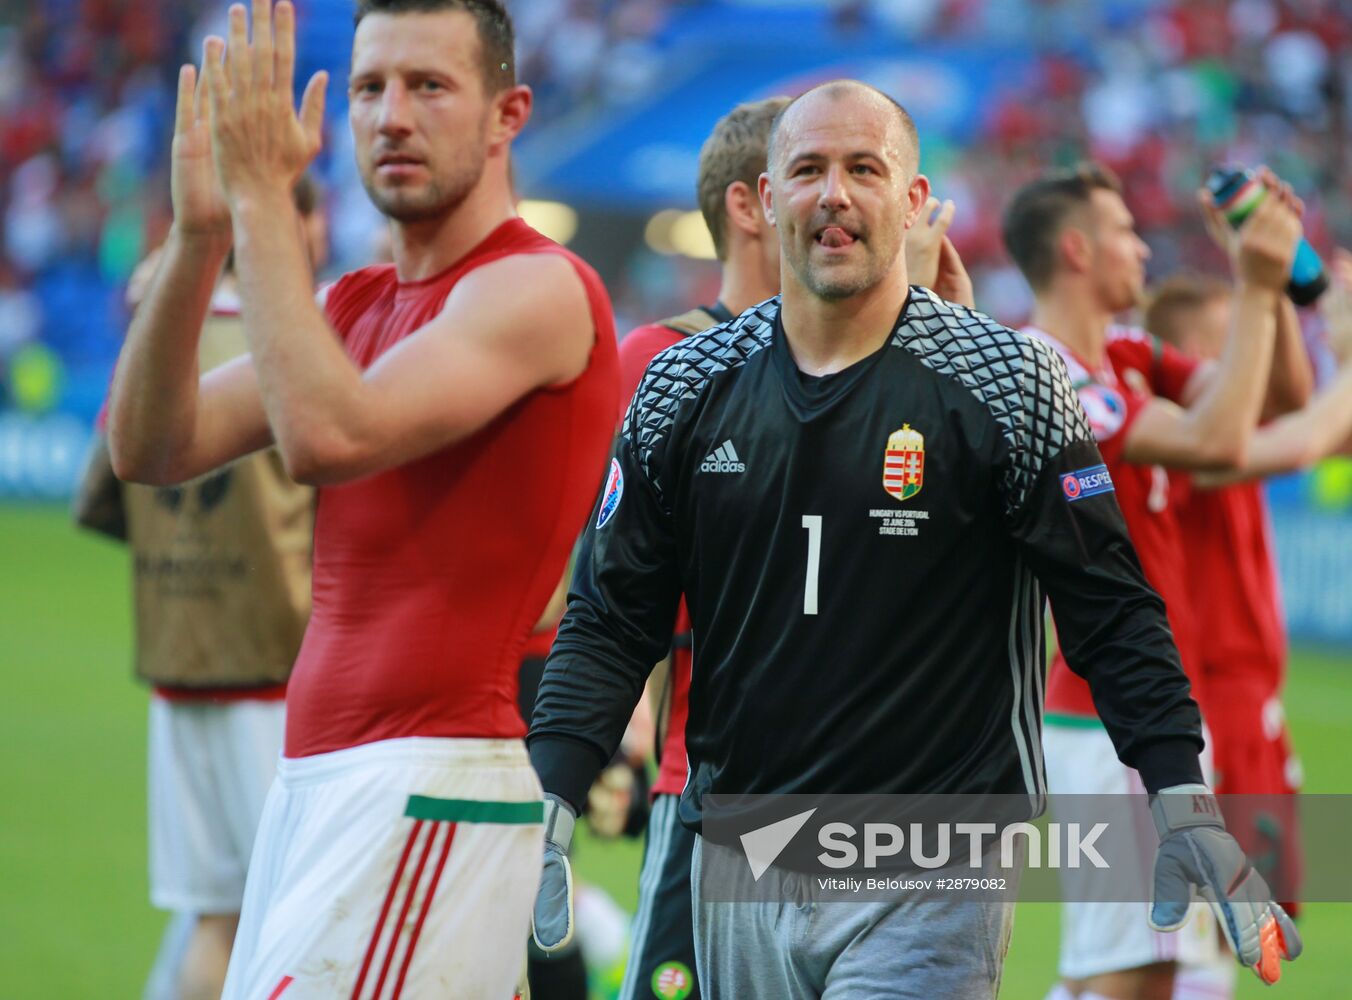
point(74, 917)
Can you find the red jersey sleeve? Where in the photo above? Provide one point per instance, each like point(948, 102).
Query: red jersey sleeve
point(639, 347)
point(1166, 369)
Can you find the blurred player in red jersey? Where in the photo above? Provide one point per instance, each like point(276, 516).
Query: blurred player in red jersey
point(1229, 554)
point(455, 409)
point(1149, 406)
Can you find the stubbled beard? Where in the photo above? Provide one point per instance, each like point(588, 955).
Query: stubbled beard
point(834, 289)
point(831, 286)
point(438, 199)
point(432, 202)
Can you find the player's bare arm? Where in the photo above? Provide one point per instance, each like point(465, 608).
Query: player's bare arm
point(512, 326)
point(161, 427)
point(1298, 440)
point(1215, 431)
point(1291, 384)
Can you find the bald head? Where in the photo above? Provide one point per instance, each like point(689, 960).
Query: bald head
point(835, 97)
point(842, 188)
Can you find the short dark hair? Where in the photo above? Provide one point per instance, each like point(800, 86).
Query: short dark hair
point(1175, 298)
point(1038, 210)
point(735, 151)
point(838, 89)
point(497, 39)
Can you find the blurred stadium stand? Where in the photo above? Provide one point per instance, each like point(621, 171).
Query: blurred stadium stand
point(626, 90)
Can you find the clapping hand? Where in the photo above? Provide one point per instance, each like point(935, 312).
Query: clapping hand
point(931, 259)
point(259, 142)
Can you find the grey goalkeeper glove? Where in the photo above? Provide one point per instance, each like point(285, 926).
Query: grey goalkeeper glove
point(1198, 857)
point(552, 922)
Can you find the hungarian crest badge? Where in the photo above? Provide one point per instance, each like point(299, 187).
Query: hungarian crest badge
point(904, 463)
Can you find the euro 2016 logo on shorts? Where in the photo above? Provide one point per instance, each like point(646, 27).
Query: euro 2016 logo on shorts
point(1088, 482)
point(672, 981)
point(614, 490)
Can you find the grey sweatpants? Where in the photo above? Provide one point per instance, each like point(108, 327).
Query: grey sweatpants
point(930, 949)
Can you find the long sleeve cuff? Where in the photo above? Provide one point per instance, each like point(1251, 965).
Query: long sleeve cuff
point(566, 767)
point(1168, 762)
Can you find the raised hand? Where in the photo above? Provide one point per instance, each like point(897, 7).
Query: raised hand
point(1226, 236)
point(1267, 240)
point(952, 282)
point(199, 206)
point(259, 141)
point(924, 242)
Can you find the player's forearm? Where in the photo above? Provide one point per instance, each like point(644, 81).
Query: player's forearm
point(152, 410)
point(311, 390)
point(1222, 421)
point(1298, 440)
point(1291, 384)
point(588, 693)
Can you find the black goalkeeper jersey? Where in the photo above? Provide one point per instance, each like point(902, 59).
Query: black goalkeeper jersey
point(865, 557)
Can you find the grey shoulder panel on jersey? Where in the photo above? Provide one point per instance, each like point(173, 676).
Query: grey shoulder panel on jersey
point(683, 371)
point(1021, 381)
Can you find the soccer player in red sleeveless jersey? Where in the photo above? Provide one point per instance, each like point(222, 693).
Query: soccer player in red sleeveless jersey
point(1073, 237)
point(455, 409)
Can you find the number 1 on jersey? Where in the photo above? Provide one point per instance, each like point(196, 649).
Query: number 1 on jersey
point(813, 524)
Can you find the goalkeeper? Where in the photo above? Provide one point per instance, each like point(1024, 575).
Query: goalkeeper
point(808, 619)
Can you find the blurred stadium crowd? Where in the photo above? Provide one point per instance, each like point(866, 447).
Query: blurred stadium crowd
point(1155, 88)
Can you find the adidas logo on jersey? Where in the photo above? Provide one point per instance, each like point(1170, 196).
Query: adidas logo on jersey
point(723, 459)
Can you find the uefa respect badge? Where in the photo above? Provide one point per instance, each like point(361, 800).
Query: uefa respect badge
point(1084, 483)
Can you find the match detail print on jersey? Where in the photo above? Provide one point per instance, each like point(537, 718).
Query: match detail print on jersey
point(904, 463)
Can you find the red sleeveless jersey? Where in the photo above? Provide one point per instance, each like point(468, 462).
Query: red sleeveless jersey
point(1228, 544)
point(429, 577)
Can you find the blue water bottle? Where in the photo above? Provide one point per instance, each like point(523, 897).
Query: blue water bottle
point(1237, 192)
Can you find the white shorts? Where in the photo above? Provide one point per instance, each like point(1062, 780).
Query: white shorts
point(210, 766)
point(398, 869)
point(1097, 938)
